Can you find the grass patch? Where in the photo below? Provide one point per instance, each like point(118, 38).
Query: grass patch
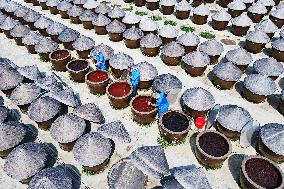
point(110, 72)
point(207, 35)
point(187, 28)
point(106, 2)
point(156, 18)
point(129, 9)
point(141, 13)
point(170, 22)
point(165, 143)
point(98, 95)
point(88, 172)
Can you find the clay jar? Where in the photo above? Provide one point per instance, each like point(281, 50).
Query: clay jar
point(278, 22)
point(254, 47)
point(224, 3)
point(115, 37)
point(167, 10)
point(199, 20)
point(182, 15)
point(152, 5)
point(78, 69)
point(258, 172)
point(97, 81)
point(219, 25)
point(212, 148)
point(255, 98)
point(277, 54)
point(174, 126)
point(139, 3)
point(59, 59)
point(239, 30)
point(143, 109)
point(119, 94)
point(265, 151)
point(43, 5)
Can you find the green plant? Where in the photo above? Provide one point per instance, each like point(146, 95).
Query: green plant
point(141, 13)
point(207, 35)
point(106, 2)
point(98, 95)
point(187, 28)
point(156, 18)
point(163, 142)
point(170, 22)
point(110, 72)
point(88, 172)
point(129, 9)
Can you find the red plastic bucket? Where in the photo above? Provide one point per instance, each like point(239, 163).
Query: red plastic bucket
point(200, 122)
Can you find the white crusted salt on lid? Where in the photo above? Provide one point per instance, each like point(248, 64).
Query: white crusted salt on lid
point(258, 8)
point(104, 49)
point(151, 41)
point(151, 160)
point(237, 5)
point(11, 6)
point(92, 149)
point(46, 46)
point(121, 61)
point(191, 178)
point(148, 72)
point(148, 25)
point(201, 10)
point(233, 117)
point(10, 77)
point(115, 130)
point(211, 47)
point(131, 18)
point(267, 26)
point(239, 56)
point(166, 83)
point(21, 11)
point(25, 93)
point(243, 21)
point(83, 43)
point(79, 2)
point(52, 3)
point(260, 84)
point(196, 59)
point(272, 135)
point(54, 177)
point(101, 20)
point(32, 38)
point(64, 6)
point(31, 16)
point(278, 44)
point(221, 15)
point(68, 35)
point(55, 28)
point(91, 4)
point(102, 8)
point(44, 109)
point(25, 161)
point(67, 128)
point(75, 11)
point(19, 31)
point(11, 134)
point(183, 5)
point(43, 23)
point(267, 2)
point(90, 112)
point(258, 36)
point(124, 174)
point(49, 83)
point(173, 49)
point(198, 99)
point(168, 31)
point(116, 12)
point(278, 13)
point(133, 33)
point(268, 66)
point(87, 15)
point(116, 27)
point(65, 96)
point(188, 39)
point(167, 2)
point(8, 23)
point(30, 72)
point(227, 71)
point(282, 33)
